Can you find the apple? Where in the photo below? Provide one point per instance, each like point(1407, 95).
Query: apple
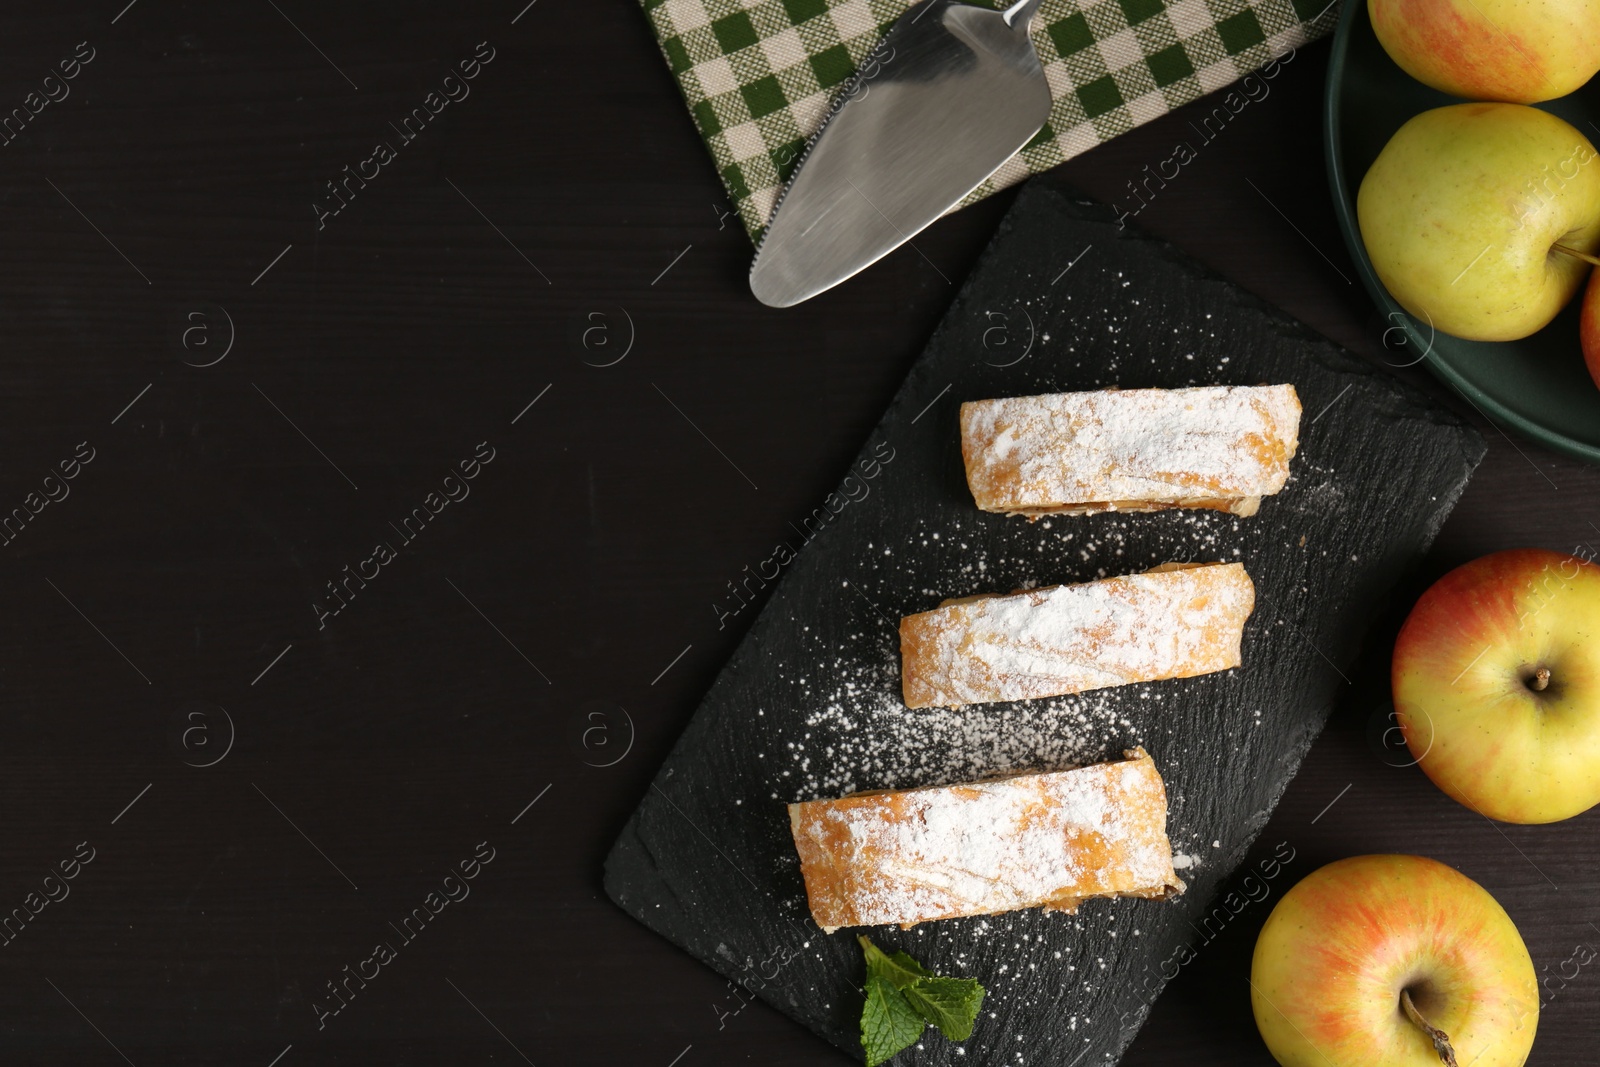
point(1496, 680)
point(1589, 326)
point(1523, 51)
point(1392, 961)
point(1477, 217)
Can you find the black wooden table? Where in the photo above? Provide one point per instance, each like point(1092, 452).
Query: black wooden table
point(400, 512)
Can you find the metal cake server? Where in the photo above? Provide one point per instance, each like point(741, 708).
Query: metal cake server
point(949, 94)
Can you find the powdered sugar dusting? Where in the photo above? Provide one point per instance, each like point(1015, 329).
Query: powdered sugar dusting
point(839, 752)
point(1070, 638)
point(1217, 446)
point(850, 729)
point(1018, 842)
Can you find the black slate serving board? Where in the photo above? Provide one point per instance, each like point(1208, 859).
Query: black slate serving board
point(809, 705)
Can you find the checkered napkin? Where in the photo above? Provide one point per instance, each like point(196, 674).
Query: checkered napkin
point(760, 75)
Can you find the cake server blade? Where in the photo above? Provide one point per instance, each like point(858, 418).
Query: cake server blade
point(949, 94)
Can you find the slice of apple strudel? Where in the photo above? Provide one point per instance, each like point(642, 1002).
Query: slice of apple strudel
point(1176, 621)
point(1217, 446)
point(1024, 841)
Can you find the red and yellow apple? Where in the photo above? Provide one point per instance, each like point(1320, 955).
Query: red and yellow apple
point(1370, 959)
point(1496, 681)
point(1523, 51)
point(1589, 326)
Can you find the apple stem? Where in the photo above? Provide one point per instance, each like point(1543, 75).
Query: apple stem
point(1440, 1039)
point(1541, 680)
point(1573, 252)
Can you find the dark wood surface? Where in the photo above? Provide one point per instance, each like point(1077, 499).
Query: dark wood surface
point(578, 579)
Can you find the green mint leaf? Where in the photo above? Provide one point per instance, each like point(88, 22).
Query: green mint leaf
point(888, 1023)
point(898, 969)
point(951, 1004)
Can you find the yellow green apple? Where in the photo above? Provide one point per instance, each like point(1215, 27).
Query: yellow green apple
point(1470, 212)
point(1388, 961)
point(1523, 51)
point(1496, 681)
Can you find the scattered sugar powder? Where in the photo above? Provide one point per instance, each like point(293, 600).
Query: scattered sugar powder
point(840, 725)
point(863, 737)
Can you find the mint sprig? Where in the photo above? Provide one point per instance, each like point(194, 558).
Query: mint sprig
point(904, 997)
point(898, 969)
point(888, 1022)
point(951, 1004)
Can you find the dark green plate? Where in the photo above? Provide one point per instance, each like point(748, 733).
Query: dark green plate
point(1538, 385)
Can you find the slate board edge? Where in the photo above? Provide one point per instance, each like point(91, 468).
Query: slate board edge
point(629, 859)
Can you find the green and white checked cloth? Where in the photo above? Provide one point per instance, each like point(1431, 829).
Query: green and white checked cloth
point(760, 75)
